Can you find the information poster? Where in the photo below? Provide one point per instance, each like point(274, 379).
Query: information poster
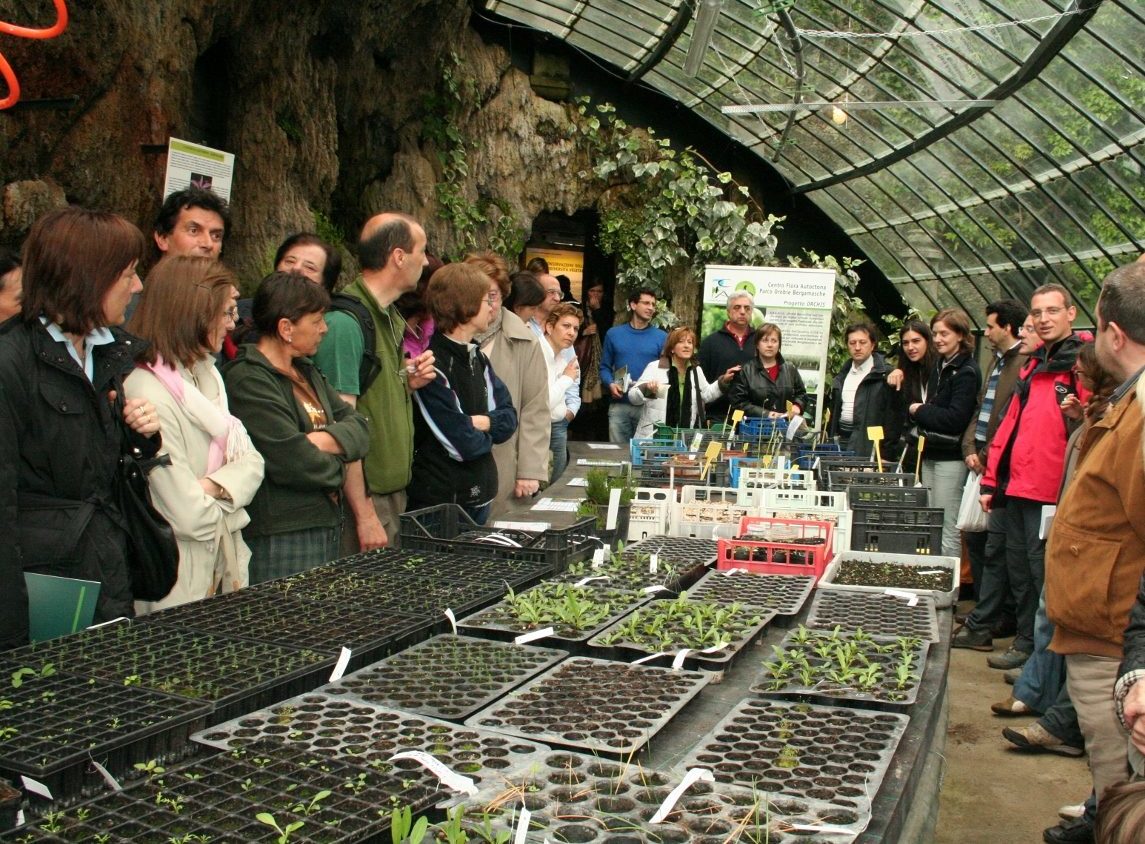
point(568, 262)
point(798, 300)
point(194, 165)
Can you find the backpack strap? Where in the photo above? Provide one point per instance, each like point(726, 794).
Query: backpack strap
point(370, 366)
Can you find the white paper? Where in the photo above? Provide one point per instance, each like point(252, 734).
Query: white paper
point(597, 558)
point(522, 826)
point(445, 776)
point(340, 665)
point(189, 163)
point(1048, 511)
point(36, 787)
point(535, 527)
point(613, 509)
point(452, 619)
point(577, 482)
point(107, 777)
point(532, 636)
point(693, 775)
point(910, 598)
point(603, 446)
point(560, 506)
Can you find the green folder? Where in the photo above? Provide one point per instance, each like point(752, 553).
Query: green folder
point(58, 606)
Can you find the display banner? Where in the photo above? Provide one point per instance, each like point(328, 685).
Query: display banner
point(798, 300)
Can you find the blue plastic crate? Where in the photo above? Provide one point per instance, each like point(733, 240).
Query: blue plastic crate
point(758, 426)
point(639, 449)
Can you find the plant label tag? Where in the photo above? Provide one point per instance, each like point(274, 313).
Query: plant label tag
point(20, 817)
point(693, 775)
point(653, 563)
point(445, 776)
point(105, 623)
point(107, 777)
point(714, 648)
point(525, 638)
point(597, 558)
point(648, 658)
point(737, 417)
point(678, 662)
point(933, 571)
point(910, 598)
point(36, 787)
point(584, 581)
point(613, 509)
point(697, 441)
point(340, 665)
point(730, 572)
point(452, 619)
point(825, 829)
point(522, 826)
point(648, 590)
point(874, 432)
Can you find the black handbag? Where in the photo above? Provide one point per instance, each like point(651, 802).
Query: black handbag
point(152, 550)
point(937, 439)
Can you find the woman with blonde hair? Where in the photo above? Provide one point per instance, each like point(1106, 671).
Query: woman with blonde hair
point(187, 308)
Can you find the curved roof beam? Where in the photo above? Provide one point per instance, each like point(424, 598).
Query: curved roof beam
point(675, 29)
point(1046, 51)
point(800, 74)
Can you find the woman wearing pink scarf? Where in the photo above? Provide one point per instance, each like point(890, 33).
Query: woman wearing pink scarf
point(187, 308)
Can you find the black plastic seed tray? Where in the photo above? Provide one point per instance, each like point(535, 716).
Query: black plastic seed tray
point(454, 565)
point(441, 527)
point(845, 667)
point(573, 797)
point(57, 723)
point(782, 594)
point(605, 707)
point(862, 495)
point(897, 530)
point(626, 571)
point(267, 616)
point(837, 480)
point(664, 629)
point(448, 677)
point(234, 675)
point(220, 799)
point(877, 614)
point(834, 754)
point(368, 735)
point(688, 556)
point(680, 472)
point(576, 613)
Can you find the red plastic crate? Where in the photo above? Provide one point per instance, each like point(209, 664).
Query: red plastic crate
point(778, 557)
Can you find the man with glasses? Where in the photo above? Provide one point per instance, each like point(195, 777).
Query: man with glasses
point(553, 294)
point(1026, 459)
point(628, 348)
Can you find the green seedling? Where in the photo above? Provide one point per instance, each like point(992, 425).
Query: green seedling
point(283, 834)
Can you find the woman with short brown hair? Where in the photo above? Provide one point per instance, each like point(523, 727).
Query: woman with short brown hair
point(187, 308)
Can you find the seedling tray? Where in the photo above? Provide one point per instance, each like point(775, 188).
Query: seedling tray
point(825, 667)
point(833, 754)
point(663, 629)
point(867, 476)
point(578, 798)
point(235, 675)
point(782, 594)
point(368, 735)
point(441, 527)
point(57, 724)
point(608, 604)
point(905, 572)
point(219, 798)
point(605, 707)
point(627, 570)
point(267, 616)
point(448, 677)
point(467, 566)
point(877, 614)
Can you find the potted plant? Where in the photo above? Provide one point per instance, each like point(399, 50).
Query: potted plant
point(598, 488)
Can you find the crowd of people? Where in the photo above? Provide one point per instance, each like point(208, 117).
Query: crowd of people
point(287, 430)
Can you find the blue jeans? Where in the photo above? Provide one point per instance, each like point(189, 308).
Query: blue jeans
point(623, 419)
point(1026, 564)
point(559, 446)
point(945, 479)
point(1043, 675)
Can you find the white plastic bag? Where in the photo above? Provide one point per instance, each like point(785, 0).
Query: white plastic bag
point(971, 517)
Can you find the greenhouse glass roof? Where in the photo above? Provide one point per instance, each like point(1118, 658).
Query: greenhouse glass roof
point(972, 148)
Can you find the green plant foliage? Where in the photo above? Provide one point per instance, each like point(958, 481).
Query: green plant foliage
point(847, 307)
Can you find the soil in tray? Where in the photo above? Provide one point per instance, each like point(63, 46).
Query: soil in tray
point(394, 567)
point(784, 594)
point(669, 626)
point(849, 665)
point(878, 614)
point(448, 677)
point(574, 612)
point(604, 706)
point(578, 798)
point(202, 666)
point(893, 575)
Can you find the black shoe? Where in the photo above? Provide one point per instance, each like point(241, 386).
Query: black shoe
point(1079, 831)
point(978, 640)
point(1004, 629)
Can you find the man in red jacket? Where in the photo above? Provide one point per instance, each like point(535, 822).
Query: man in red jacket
point(1027, 457)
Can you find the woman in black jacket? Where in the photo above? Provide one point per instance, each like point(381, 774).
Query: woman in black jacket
point(64, 421)
point(911, 379)
point(951, 396)
point(766, 383)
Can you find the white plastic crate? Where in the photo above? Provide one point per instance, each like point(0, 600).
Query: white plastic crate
point(753, 481)
point(941, 599)
point(650, 512)
point(707, 512)
point(798, 498)
point(841, 519)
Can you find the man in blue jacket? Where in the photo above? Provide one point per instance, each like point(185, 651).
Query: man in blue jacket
point(631, 346)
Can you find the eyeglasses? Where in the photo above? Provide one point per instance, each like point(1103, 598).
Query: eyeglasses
point(494, 297)
point(1052, 312)
point(232, 314)
point(556, 294)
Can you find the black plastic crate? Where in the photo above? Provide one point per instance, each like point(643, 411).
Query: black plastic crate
point(897, 530)
point(441, 528)
point(843, 479)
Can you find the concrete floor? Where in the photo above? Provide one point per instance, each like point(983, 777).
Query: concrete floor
point(991, 794)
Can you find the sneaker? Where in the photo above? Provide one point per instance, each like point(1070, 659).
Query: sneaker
point(1011, 706)
point(1037, 739)
point(977, 640)
point(1009, 658)
point(1071, 812)
point(1011, 676)
point(1078, 831)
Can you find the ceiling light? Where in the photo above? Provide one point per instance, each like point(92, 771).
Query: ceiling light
point(838, 116)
